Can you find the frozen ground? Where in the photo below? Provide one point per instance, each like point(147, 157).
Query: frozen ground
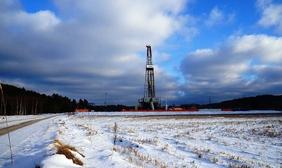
point(149, 142)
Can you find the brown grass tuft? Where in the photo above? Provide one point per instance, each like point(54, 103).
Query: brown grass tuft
point(67, 151)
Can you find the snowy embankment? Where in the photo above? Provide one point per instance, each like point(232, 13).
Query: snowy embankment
point(29, 144)
point(99, 141)
point(18, 119)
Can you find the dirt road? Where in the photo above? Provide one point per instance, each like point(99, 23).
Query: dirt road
point(4, 131)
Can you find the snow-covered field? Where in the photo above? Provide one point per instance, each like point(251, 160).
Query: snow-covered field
point(167, 141)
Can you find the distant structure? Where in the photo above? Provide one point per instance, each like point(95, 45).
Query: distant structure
point(149, 101)
point(82, 110)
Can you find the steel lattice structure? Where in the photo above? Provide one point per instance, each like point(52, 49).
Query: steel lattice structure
point(149, 89)
point(149, 101)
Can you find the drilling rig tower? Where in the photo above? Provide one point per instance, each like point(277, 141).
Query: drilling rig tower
point(149, 101)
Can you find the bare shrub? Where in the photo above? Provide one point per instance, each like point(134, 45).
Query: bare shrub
point(89, 131)
point(141, 157)
point(67, 151)
point(214, 159)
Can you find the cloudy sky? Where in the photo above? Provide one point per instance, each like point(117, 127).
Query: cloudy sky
point(83, 49)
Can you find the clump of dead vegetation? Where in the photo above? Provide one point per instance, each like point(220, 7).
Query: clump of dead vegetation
point(139, 158)
point(68, 151)
point(268, 131)
point(89, 131)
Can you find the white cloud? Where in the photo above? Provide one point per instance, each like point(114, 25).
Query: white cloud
point(39, 21)
point(271, 15)
point(266, 48)
point(243, 64)
point(217, 16)
point(203, 53)
point(42, 20)
point(187, 27)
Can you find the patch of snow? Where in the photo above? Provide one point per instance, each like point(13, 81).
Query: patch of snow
point(58, 161)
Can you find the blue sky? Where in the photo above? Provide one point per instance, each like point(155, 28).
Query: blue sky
point(82, 49)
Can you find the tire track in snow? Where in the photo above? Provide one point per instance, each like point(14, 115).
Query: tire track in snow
point(4, 131)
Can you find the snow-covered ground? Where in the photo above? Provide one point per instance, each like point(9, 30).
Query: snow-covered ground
point(17, 119)
point(148, 142)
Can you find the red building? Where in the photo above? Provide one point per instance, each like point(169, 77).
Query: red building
point(82, 110)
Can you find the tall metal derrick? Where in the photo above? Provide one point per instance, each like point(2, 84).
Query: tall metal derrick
point(149, 101)
point(149, 90)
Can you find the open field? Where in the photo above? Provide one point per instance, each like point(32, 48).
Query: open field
point(105, 141)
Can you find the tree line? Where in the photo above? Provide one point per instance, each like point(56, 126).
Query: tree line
point(260, 102)
point(19, 101)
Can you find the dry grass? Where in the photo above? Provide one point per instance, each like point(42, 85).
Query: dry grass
point(135, 156)
point(67, 151)
point(89, 131)
point(146, 141)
